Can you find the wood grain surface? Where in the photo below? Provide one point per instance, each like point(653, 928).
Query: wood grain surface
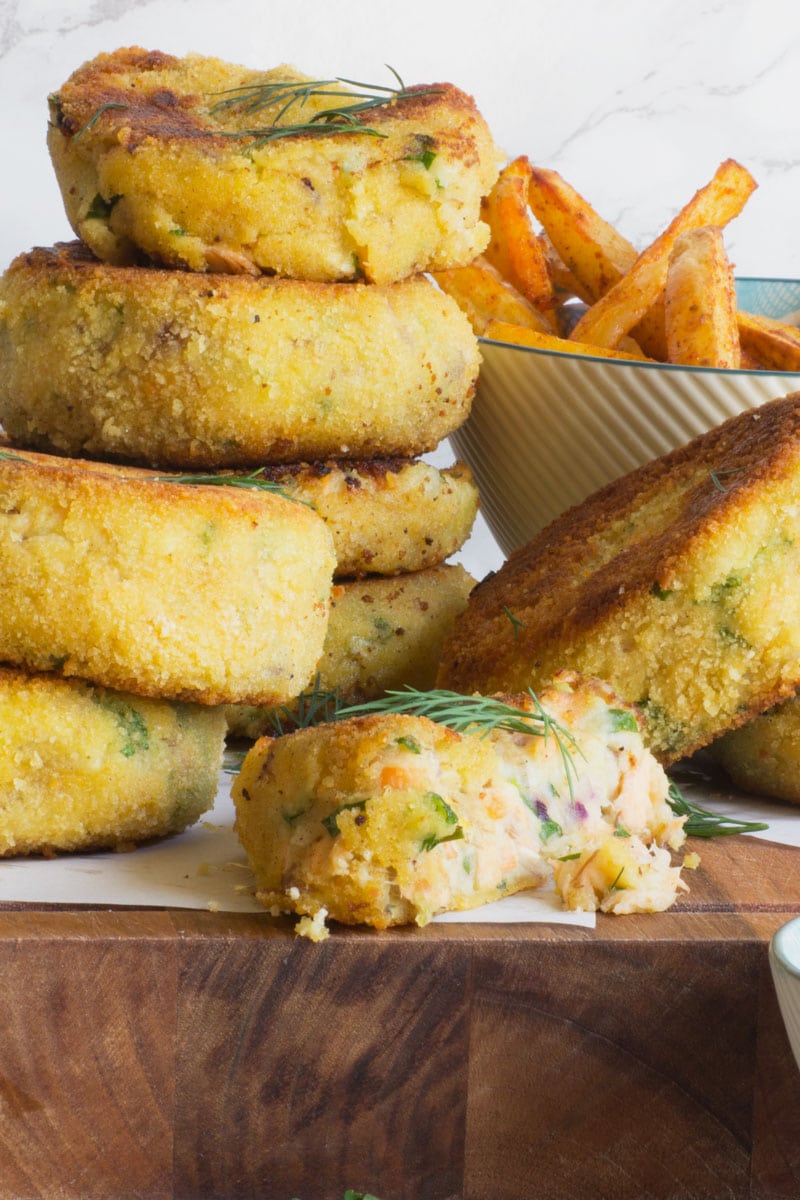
point(206, 1056)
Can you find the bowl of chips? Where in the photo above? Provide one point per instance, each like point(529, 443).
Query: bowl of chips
point(598, 358)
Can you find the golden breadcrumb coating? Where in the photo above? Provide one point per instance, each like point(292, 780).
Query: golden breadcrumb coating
point(83, 767)
point(383, 633)
point(675, 583)
point(149, 161)
point(174, 369)
point(387, 516)
point(763, 756)
point(214, 594)
point(388, 819)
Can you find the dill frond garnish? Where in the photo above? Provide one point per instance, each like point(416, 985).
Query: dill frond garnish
point(345, 116)
point(701, 822)
point(717, 476)
point(474, 715)
point(315, 707)
point(94, 118)
point(10, 456)
point(254, 479)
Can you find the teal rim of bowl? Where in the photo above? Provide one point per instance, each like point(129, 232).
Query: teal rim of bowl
point(786, 946)
point(745, 286)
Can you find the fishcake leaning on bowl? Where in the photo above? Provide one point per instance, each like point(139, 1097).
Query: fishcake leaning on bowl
point(676, 583)
point(201, 164)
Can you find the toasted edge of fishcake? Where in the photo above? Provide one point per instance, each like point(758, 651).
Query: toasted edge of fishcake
point(390, 818)
point(85, 767)
point(175, 369)
point(128, 579)
point(153, 154)
point(387, 516)
point(763, 756)
point(383, 633)
point(674, 583)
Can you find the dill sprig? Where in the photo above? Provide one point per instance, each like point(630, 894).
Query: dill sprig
point(286, 95)
point(701, 822)
point(315, 707)
point(254, 479)
point(475, 714)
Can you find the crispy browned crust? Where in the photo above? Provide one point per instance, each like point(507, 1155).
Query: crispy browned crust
point(590, 567)
point(172, 116)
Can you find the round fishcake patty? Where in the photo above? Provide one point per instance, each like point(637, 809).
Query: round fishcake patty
point(387, 516)
point(383, 633)
point(178, 159)
point(183, 370)
point(763, 756)
point(83, 767)
point(213, 594)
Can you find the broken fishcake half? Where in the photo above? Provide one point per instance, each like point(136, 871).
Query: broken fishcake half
point(87, 768)
point(201, 164)
point(383, 633)
point(676, 583)
point(149, 585)
point(391, 818)
point(763, 756)
point(183, 370)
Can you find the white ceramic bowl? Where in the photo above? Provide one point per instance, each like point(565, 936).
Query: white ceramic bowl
point(547, 429)
point(784, 960)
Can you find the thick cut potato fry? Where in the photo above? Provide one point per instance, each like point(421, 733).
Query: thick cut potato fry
point(584, 250)
point(616, 313)
point(588, 246)
point(501, 331)
point(773, 345)
point(481, 292)
point(700, 302)
point(514, 248)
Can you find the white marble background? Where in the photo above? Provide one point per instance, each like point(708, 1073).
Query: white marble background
point(634, 101)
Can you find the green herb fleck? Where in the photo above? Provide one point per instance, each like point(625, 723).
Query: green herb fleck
point(550, 828)
point(661, 593)
point(100, 209)
point(615, 886)
point(331, 822)
point(516, 624)
point(621, 720)
point(409, 743)
point(129, 720)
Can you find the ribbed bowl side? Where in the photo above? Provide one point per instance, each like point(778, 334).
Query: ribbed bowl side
point(546, 430)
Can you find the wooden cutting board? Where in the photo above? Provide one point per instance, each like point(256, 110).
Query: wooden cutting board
point(184, 1054)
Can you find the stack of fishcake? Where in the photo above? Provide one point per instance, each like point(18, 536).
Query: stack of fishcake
point(291, 340)
point(112, 731)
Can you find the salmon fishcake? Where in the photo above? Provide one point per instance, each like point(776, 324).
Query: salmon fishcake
point(212, 594)
point(194, 162)
point(763, 756)
point(675, 583)
point(182, 370)
point(392, 818)
point(383, 633)
point(86, 768)
point(387, 516)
